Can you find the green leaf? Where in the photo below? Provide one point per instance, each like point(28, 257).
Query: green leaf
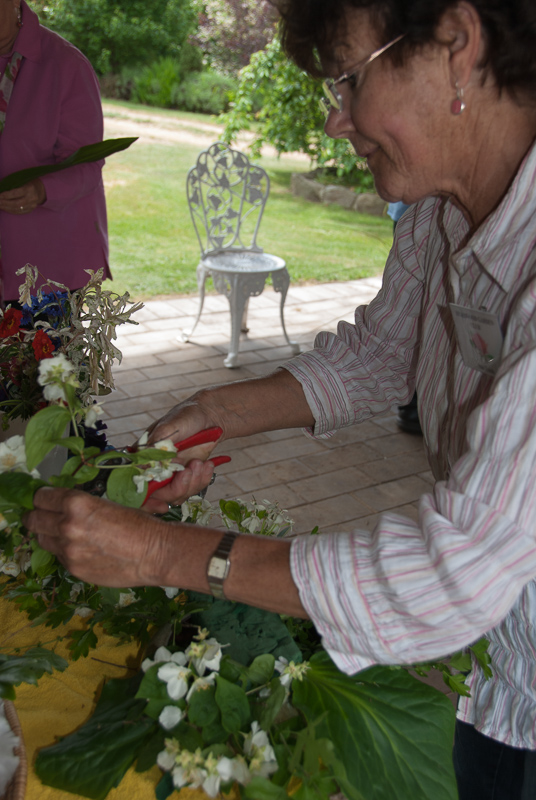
point(42, 561)
point(149, 751)
point(203, 709)
point(73, 443)
point(27, 668)
point(231, 509)
point(84, 155)
point(233, 704)
point(81, 643)
point(94, 759)
point(122, 489)
point(261, 669)
point(43, 431)
point(165, 787)
point(18, 489)
point(272, 705)
point(263, 789)
point(392, 732)
point(480, 651)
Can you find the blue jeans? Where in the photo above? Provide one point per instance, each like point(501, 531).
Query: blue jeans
point(489, 770)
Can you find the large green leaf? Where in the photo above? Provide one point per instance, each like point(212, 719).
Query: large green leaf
point(86, 154)
point(43, 431)
point(18, 489)
point(27, 668)
point(122, 489)
point(393, 733)
point(94, 759)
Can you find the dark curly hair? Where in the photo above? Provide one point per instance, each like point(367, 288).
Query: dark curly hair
point(308, 28)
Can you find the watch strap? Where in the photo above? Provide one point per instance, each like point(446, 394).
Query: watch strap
point(219, 564)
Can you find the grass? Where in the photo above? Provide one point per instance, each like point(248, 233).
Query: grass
point(154, 250)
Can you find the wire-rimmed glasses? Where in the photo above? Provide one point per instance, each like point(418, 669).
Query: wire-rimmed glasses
point(333, 98)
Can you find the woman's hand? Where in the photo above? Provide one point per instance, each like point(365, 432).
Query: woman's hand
point(99, 541)
point(25, 199)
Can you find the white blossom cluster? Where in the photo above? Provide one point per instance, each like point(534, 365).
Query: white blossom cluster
point(264, 518)
point(191, 671)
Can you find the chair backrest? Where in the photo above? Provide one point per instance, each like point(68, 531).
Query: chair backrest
point(226, 195)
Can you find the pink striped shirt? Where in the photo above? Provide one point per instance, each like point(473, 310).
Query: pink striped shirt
point(408, 592)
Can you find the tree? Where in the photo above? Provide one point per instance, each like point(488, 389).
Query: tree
point(282, 103)
point(117, 33)
point(230, 31)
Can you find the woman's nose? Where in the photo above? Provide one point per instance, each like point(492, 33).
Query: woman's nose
point(338, 124)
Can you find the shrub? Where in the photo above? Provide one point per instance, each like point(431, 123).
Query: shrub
point(155, 85)
point(205, 92)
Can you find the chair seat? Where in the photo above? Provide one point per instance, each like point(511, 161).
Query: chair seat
point(242, 261)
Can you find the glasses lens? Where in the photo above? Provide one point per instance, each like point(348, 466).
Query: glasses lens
point(325, 106)
point(333, 97)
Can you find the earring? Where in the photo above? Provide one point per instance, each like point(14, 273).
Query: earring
point(458, 105)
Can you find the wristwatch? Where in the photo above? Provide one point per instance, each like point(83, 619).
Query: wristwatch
point(220, 564)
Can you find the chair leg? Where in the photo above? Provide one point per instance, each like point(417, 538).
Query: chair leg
point(202, 275)
point(238, 300)
point(281, 282)
point(244, 324)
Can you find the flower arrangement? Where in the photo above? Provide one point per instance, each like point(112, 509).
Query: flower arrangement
point(79, 325)
point(212, 715)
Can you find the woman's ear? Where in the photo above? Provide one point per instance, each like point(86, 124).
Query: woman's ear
point(460, 29)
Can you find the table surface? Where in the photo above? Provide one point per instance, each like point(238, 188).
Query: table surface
point(63, 701)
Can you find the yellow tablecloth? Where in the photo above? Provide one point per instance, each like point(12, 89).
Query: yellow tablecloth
point(65, 700)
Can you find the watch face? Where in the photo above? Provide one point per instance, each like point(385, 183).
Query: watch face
point(218, 568)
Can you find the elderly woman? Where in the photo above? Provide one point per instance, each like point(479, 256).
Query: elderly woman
point(440, 98)
point(49, 107)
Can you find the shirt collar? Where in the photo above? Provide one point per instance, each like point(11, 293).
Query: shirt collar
point(28, 42)
point(507, 236)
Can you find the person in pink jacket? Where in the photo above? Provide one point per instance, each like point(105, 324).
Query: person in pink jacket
point(49, 107)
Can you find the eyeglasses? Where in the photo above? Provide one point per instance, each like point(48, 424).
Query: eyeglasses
point(333, 98)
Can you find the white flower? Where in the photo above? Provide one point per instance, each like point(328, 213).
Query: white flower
point(200, 684)
point(197, 509)
point(211, 784)
point(290, 671)
point(83, 612)
point(170, 591)
point(163, 655)
point(204, 655)
point(260, 751)
point(252, 524)
point(126, 599)
point(166, 759)
point(234, 769)
point(9, 567)
point(167, 445)
point(13, 454)
point(188, 770)
point(155, 473)
point(170, 716)
point(176, 678)
point(92, 414)
point(54, 370)
point(75, 591)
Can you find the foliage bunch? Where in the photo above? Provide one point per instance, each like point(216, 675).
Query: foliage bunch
point(80, 324)
point(230, 31)
point(117, 33)
point(280, 103)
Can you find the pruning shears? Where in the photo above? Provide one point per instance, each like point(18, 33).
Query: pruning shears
point(203, 437)
point(98, 485)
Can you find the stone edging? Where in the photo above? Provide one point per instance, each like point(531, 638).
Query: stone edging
point(303, 185)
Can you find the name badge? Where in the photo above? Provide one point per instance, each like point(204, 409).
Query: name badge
point(479, 337)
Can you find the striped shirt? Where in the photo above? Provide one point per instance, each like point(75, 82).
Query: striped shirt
point(407, 591)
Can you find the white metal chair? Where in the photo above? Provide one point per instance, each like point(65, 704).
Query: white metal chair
point(227, 195)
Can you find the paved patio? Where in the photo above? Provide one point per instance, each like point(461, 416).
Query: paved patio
point(337, 484)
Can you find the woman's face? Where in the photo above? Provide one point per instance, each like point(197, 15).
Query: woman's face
point(8, 24)
point(399, 117)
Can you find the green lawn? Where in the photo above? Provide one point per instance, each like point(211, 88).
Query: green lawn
point(154, 250)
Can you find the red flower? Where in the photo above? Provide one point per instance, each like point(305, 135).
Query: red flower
point(43, 345)
point(10, 323)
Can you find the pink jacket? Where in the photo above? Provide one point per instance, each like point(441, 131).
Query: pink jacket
point(55, 108)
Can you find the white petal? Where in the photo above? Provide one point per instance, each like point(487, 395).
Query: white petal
point(170, 716)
